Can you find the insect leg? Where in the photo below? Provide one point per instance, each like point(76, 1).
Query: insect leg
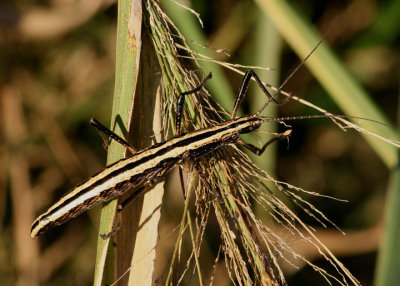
point(104, 130)
point(147, 185)
point(178, 118)
point(132, 197)
point(122, 205)
point(243, 91)
point(203, 177)
point(113, 231)
point(259, 151)
point(182, 182)
point(181, 101)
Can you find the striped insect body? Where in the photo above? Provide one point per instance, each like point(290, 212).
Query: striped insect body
point(145, 167)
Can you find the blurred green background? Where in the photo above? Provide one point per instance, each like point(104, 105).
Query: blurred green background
point(57, 70)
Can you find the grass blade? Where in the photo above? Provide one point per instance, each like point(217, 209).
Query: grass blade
point(388, 257)
point(388, 262)
point(267, 54)
point(128, 52)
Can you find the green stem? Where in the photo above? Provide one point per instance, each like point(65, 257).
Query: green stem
point(128, 52)
point(387, 273)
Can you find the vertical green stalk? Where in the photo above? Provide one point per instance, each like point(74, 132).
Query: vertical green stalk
point(267, 45)
point(128, 52)
point(267, 54)
point(387, 268)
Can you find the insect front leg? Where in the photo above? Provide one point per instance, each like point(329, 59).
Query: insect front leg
point(243, 91)
point(259, 151)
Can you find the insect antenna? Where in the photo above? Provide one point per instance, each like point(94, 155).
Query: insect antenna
point(301, 117)
point(278, 91)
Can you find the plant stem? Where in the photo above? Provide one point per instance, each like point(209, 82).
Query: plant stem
point(128, 52)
